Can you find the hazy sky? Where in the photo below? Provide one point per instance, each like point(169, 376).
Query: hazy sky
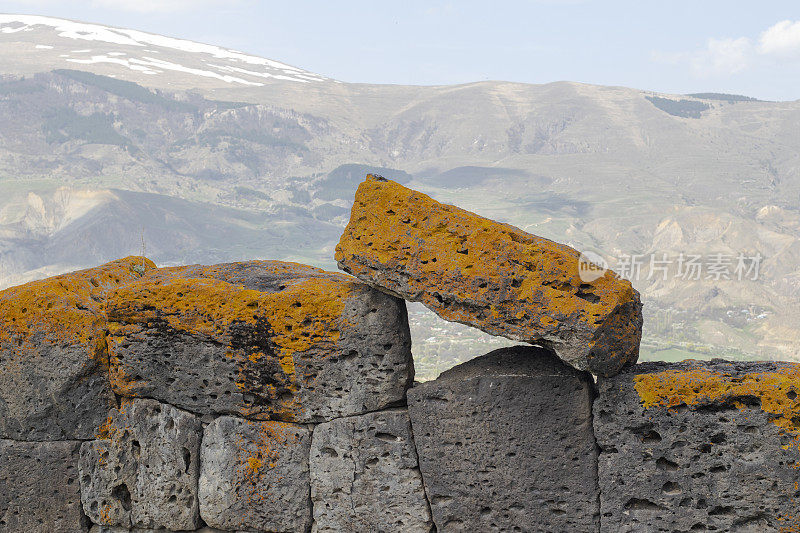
point(744, 47)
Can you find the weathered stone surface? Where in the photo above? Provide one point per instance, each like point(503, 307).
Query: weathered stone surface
point(700, 446)
point(255, 476)
point(505, 443)
point(365, 476)
point(39, 489)
point(261, 339)
point(53, 359)
point(115, 529)
point(489, 275)
point(144, 471)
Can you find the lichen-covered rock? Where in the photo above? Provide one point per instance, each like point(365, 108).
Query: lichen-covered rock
point(489, 275)
point(700, 446)
point(255, 476)
point(144, 470)
point(365, 476)
point(39, 489)
point(53, 358)
point(260, 339)
point(505, 443)
point(116, 529)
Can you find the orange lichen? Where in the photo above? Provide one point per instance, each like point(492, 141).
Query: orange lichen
point(778, 392)
point(474, 270)
point(65, 309)
point(307, 313)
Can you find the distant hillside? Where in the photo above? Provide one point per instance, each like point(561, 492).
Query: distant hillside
point(212, 164)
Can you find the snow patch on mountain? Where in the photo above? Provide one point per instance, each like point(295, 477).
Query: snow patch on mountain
point(226, 61)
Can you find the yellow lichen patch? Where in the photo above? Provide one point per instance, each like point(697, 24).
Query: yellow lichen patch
point(65, 309)
point(778, 391)
point(474, 270)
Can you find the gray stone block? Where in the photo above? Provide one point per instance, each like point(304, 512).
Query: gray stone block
point(700, 446)
point(39, 488)
point(144, 472)
point(255, 476)
point(505, 443)
point(365, 476)
point(264, 340)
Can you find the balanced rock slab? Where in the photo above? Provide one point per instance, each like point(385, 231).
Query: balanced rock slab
point(700, 446)
point(505, 443)
point(144, 472)
point(39, 488)
point(255, 476)
point(53, 358)
point(489, 275)
point(260, 339)
point(365, 476)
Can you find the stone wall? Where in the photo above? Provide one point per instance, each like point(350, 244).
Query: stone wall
point(274, 397)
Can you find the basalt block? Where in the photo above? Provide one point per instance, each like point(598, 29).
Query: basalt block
point(505, 443)
point(53, 357)
point(700, 446)
point(365, 475)
point(39, 489)
point(265, 340)
point(490, 275)
point(143, 472)
point(255, 476)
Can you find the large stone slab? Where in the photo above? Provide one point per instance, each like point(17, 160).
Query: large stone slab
point(700, 446)
point(255, 476)
point(489, 275)
point(53, 358)
point(39, 488)
point(260, 339)
point(365, 476)
point(144, 472)
point(505, 443)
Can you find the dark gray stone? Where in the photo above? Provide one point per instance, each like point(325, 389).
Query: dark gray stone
point(505, 443)
point(39, 488)
point(696, 446)
point(144, 473)
point(365, 476)
point(255, 476)
point(309, 346)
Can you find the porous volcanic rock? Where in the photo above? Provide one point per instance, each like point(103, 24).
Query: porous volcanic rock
point(365, 475)
point(39, 489)
point(144, 471)
point(255, 476)
point(260, 339)
point(53, 358)
point(700, 446)
point(505, 443)
point(490, 275)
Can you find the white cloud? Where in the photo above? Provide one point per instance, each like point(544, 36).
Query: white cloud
point(782, 39)
point(722, 57)
point(728, 56)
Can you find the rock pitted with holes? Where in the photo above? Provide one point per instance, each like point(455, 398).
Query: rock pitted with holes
point(143, 470)
point(489, 275)
point(53, 357)
point(505, 443)
point(260, 339)
point(700, 446)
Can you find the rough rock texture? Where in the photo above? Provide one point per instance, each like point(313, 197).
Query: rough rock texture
point(700, 446)
point(116, 529)
point(489, 275)
point(365, 476)
point(505, 443)
point(53, 359)
point(255, 476)
point(39, 489)
point(261, 339)
point(144, 471)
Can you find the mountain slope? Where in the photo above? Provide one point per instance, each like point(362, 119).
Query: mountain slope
point(213, 169)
